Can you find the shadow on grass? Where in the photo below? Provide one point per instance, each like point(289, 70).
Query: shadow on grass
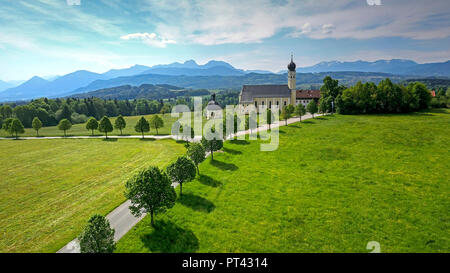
point(224, 166)
point(196, 203)
point(111, 139)
point(239, 142)
point(147, 139)
point(209, 181)
point(308, 121)
point(182, 141)
point(168, 237)
point(231, 151)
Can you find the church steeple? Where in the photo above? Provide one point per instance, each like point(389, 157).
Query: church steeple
point(292, 73)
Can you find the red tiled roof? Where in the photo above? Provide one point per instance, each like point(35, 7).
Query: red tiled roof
point(308, 94)
point(433, 93)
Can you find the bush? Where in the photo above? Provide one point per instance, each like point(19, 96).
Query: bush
point(78, 118)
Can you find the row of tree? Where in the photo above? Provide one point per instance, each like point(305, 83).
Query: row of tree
point(51, 111)
point(366, 98)
point(151, 191)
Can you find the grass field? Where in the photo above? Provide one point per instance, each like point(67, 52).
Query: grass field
point(80, 129)
point(334, 184)
point(50, 188)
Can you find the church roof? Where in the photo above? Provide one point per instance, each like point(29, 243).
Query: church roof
point(249, 92)
point(212, 104)
point(308, 94)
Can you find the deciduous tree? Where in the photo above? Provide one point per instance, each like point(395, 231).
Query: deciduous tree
point(97, 236)
point(211, 144)
point(156, 122)
point(92, 124)
point(142, 126)
point(120, 123)
point(181, 171)
point(64, 125)
point(150, 191)
point(37, 125)
point(300, 110)
point(312, 107)
point(197, 153)
point(105, 126)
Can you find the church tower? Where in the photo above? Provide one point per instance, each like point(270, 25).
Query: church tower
point(292, 74)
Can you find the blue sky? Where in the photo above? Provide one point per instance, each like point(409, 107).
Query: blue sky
point(51, 37)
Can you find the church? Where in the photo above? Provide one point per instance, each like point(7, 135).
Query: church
point(280, 95)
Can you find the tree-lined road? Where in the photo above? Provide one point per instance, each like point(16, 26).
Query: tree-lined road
point(121, 219)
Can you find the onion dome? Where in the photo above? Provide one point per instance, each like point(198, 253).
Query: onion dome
point(291, 66)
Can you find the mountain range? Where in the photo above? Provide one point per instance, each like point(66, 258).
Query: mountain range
point(213, 74)
point(394, 66)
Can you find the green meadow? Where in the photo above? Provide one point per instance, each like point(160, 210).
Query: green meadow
point(50, 188)
point(335, 184)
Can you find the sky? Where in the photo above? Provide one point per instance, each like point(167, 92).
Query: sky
point(56, 37)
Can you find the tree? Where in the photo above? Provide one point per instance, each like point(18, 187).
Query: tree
point(105, 126)
point(165, 109)
point(286, 113)
point(181, 171)
point(64, 125)
point(120, 123)
point(422, 95)
point(212, 145)
point(97, 236)
point(16, 127)
point(150, 191)
point(156, 122)
point(37, 125)
point(7, 125)
point(142, 126)
point(65, 112)
point(300, 110)
point(6, 111)
point(92, 124)
point(269, 117)
point(312, 107)
point(196, 153)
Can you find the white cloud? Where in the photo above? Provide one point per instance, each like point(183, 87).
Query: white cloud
point(252, 21)
point(151, 39)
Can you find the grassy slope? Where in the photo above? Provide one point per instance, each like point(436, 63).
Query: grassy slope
point(333, 185)
point(50, 188)
point(80, 129)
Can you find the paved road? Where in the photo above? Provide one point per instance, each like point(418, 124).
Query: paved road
point(121, 218)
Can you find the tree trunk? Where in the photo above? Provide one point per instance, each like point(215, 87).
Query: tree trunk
point(37, 133)
point(212, 155)
point(65, 133)
point(106, 134)
point(181, 189)
point(120, 131)
point(156, 131)
point(92, 132)
point(142, 134)
point(198, 170)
